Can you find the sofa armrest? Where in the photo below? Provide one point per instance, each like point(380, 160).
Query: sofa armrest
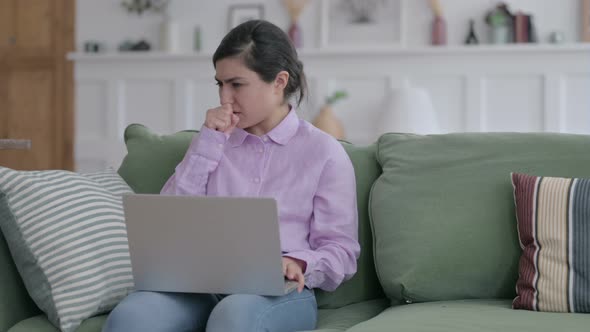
point(15, 302)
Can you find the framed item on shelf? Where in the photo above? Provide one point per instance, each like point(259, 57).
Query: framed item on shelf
point(244, 12)
point(362, 23)
point(586, 20)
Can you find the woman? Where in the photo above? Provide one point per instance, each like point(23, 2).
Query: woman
point(254, 145)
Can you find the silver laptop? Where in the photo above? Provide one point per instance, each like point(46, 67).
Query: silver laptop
point(217, 245)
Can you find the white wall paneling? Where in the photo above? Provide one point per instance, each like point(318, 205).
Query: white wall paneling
point(204, 96)
point(574, 91)
point(449, 95)
point(513, 103)
point(150, 102)
point(92, 121)
point(510, 88)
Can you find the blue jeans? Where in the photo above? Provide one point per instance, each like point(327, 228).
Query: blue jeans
point(176, 312)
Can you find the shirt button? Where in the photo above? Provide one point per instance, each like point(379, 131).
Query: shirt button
point(220, 145)
point(260, 150)
point(265, 139)
point(257, 180)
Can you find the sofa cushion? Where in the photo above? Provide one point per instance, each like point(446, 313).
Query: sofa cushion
point(67, 235)
point(343, 318)
point(443, 212)
point(329, 320)
point(152, 158)
point(554, 230)
point(41, 324)
point(469, 316)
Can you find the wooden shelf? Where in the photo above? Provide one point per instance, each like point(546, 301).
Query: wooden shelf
point(331, 52)
point(454, 49)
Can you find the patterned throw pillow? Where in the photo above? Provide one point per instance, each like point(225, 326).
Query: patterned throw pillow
point(554, 230)
point(66, 232)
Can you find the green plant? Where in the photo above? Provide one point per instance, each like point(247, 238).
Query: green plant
point(336, 96)
point(141, 6)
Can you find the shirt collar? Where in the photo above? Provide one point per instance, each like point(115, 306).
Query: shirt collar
point(284, 131)
point(281, 134)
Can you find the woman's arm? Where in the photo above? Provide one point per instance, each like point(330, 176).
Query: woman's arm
point(334, 227)
point(201, 159)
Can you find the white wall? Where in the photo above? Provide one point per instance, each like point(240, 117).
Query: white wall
point(107, 21)
point(472, 89)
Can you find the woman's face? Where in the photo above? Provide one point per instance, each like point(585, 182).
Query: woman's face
point(252, 99)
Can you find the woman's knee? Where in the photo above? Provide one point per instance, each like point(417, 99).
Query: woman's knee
point(234, 313)
point(259, 313)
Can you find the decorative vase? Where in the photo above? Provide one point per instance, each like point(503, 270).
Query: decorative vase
point(169, 36)
point(499, 21)
point(295, 35)
point(500, 34)
point(439, 31)
point(439, 25)
point(197, 39)
point(295, 7)
point(329, 123)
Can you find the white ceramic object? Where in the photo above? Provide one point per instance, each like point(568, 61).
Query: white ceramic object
point(170, 36)
point(409, 110)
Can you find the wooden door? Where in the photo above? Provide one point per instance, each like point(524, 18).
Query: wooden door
point(36, 82)
point(6, 25)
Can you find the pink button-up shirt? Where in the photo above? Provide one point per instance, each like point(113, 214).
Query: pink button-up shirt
point(305, 170)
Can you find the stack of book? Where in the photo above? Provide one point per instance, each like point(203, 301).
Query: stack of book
point(524, 29)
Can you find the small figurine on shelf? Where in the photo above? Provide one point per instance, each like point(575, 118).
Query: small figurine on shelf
point(141, 45)
point(128, 45)
point(439, 25)
point(93, 47)
point(557, 37)
point(471, 37)
point(327, 121)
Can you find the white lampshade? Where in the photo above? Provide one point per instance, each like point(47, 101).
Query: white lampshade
point(408, 110)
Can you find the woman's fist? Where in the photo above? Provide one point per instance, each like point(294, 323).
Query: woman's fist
point(222, 119)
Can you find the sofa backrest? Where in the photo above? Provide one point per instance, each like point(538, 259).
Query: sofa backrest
point(151, 160)
point(443, 211)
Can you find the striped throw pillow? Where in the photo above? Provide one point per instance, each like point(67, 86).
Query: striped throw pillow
point(66, 232)
point(554, 231)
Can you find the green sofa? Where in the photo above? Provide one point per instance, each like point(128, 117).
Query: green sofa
point(436, 224)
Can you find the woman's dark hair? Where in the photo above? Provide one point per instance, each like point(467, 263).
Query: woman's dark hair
point(266, 50)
